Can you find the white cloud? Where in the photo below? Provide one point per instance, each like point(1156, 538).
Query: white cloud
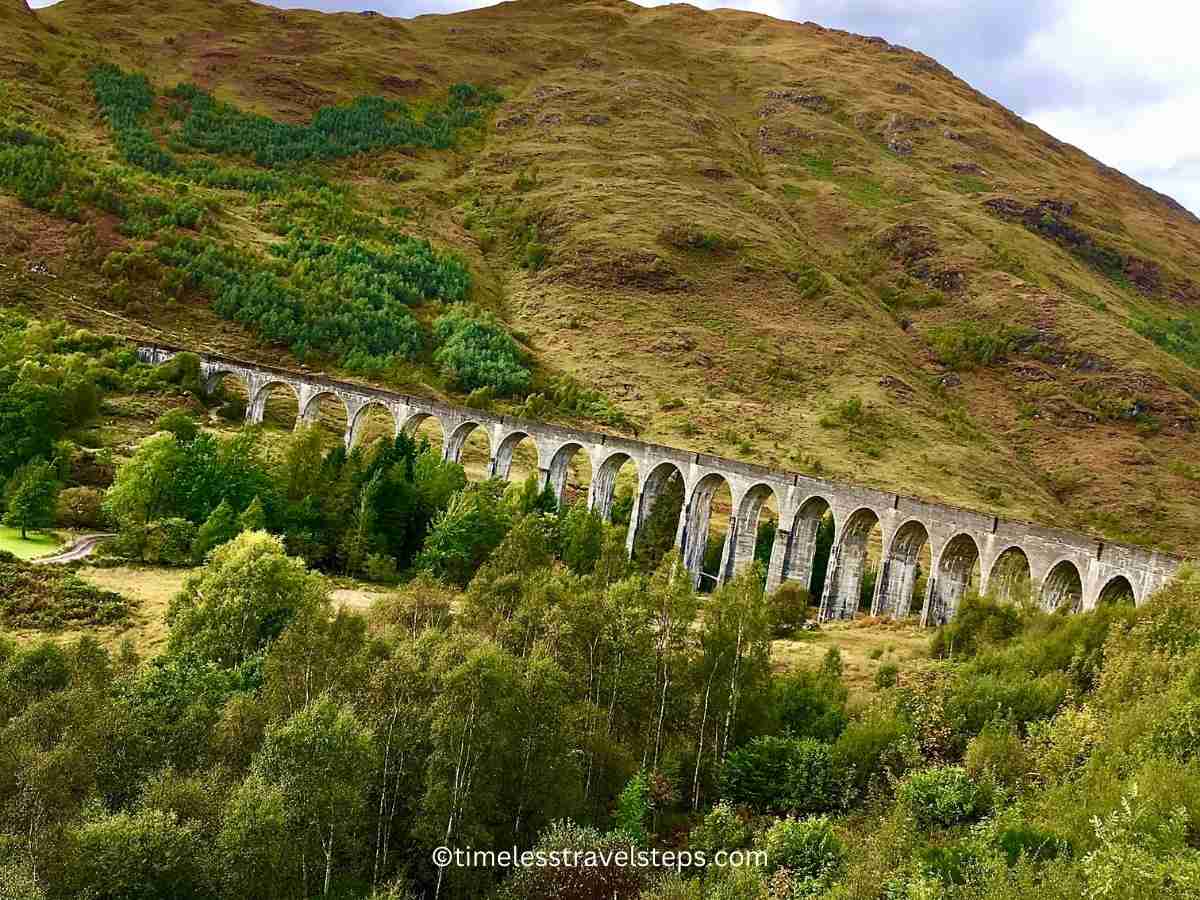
point(1128, 88)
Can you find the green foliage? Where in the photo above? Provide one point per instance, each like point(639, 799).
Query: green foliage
point(580, 538)
point(809, 850)
point(44, 391)
point(721, 829)
point(39, 171)
point(887, 676)
point(135, 856)
point(364, 125)
point(656, 535)
point(476, 351)
point(168, 542)
point(80, 507)
point(166, 478)
point(319, 759)
point(978, 622)
point(872, 750)
point(466, 532)
point(788, 608)
point(633, 809)
point(242, 600)
point(253, 517)
point(180, 423)
point(810, 703)
point(30, 497)
point(564, 395)
point(780, 774)
point(1178, 336)
point(966, 345)
point(348, 299)
point(124, 100)
point(997, 753)
point(219, 528)
point(942, 796)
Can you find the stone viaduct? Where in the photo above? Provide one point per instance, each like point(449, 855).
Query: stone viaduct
point(1061, 567)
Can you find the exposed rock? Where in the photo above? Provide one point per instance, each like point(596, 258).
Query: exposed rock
point(967, 168)
point(595, 119)
point(1061, 207)
point(1145, 275)
point(909, 242)
point(402, 85)
point(1006, 207)
point(891, 383)
point(914, 246)
point(520, 120)
point(900, 147)
point(949, 280)
point(900, 123)
point(814, 102)
point(952, 135)
point(716, 174)
point(903, 87)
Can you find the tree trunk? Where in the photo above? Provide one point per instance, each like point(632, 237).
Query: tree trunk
point(700, 745)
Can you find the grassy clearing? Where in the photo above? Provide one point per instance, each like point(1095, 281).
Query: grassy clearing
point(865, 645)
point(38, 543)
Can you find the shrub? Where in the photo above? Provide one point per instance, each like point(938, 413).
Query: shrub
point(633, 808)
point(887, 676)
point(146, 854)
point(785, 774)
point(80, 507)
point(950, 864)
point(997, 753)
point(168, 542)
point(1032, 843)
point(965, 345)
point(180, 423)
point(721, 829)
point(421, 604)
point(380, 568)
point(978, 622)
point(942, 796)
point(476, 351)
point(870, 749)
point(788, 608)
point(974, 700)
point(810, 704)
point(604, 881)
point(809, 850)
point(1061, 747)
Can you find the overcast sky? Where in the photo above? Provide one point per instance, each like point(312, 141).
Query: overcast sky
point(1120, 80)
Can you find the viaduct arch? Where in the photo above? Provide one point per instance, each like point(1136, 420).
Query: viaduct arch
point(1063, 569)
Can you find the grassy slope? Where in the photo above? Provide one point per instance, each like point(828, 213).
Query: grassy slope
point(626, 129)
point(36, 544)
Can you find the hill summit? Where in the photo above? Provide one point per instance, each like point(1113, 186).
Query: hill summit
point(746, 236)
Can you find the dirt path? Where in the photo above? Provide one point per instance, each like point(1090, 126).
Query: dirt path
point(80, 548)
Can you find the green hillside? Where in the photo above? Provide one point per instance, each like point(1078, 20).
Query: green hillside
point(654, 220)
